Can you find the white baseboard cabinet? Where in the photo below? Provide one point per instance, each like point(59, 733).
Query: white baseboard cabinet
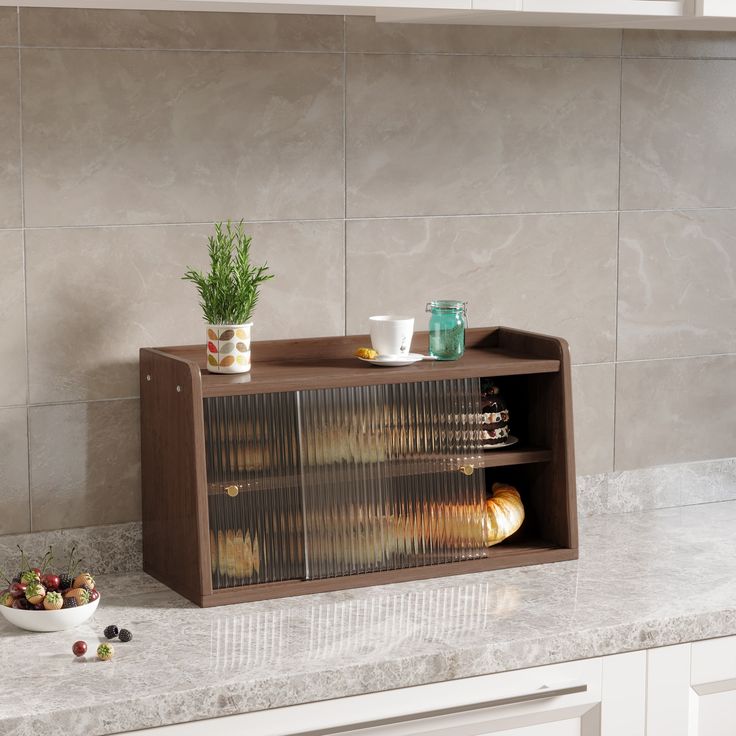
point(592, 697)
point(683, 690)
point(692, 689)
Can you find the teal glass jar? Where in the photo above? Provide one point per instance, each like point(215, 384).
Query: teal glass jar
point(447, 322)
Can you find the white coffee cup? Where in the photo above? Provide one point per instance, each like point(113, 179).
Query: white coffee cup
point(391, 335)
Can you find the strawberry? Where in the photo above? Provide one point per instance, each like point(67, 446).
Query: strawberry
point(84, 580)
point(80, 595)
point(105, 652)
point(35, 593)
point(53, 601)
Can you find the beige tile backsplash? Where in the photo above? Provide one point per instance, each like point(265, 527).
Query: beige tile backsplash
point(680, 44)
point(593, 399)
point(364, 34)
point(136, 29)
point(120, 288)
point(10, 180)
point(119, 137)
point(562, 180)
point(13, 385)
point(677, 288)
point(431, 134)
point(511, 269)
point(678, 138)
point(8, 27)
point(85, 463)
point(14, 502)
point(670, 411)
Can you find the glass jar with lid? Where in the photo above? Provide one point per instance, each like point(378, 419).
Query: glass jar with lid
point(447, 322)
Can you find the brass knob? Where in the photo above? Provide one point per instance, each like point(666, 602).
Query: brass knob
point(467, 469)
point(232, 491)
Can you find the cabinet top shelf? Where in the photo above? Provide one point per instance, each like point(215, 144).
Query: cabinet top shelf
point(291, 365)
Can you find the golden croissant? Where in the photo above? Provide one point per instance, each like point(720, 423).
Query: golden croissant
point(504, 513)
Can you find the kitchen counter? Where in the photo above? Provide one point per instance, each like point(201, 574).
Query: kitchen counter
point(643, 580)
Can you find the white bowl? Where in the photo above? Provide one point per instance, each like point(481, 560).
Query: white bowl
point(64, 618)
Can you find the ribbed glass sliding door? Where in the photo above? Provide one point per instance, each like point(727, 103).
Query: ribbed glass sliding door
point(381, 476)
point(330, 482)
point(255, 498)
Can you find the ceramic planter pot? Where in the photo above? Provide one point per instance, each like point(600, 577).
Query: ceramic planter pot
point(228, 348)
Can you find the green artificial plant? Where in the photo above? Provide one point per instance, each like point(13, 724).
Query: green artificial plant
point(229, 292)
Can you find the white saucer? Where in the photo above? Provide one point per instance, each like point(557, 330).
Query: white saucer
point(394, 361)
point(510, 441)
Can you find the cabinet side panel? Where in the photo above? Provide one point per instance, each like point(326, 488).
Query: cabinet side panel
point(551, 425)
point(174, 518)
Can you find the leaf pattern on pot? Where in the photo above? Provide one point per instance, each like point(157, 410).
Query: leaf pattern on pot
point(243, 359)
point(240, 332)
point(211, 334)
point(228, 360)
point(228, 347)
point(212, 347)
point(242, 347)
point(212, 360)
point(227, 334)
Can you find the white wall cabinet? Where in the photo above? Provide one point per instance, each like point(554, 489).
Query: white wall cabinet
point(715, 8)
point(704, 15)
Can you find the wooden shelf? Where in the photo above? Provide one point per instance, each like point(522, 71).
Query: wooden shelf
point(290, 365)
point(399, 468)
point(515, 456)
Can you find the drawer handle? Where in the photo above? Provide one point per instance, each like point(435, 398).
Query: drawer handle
point(543, 693)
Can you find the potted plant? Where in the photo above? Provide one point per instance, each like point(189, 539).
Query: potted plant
point(229, 294)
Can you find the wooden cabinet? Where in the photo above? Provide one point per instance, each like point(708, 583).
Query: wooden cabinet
point(692, 689)
point(318, 472)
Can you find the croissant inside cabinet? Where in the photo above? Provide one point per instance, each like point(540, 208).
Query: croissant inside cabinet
point(318, 472)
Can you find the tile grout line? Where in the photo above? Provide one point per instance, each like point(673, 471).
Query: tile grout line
point(69, 402)
point(473, 54)
point(25, 269)
point(345, 174)
point(316, 51)
point(618, 255)
point(369, 218)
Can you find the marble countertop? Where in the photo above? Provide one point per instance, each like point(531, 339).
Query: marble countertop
point(643, 580)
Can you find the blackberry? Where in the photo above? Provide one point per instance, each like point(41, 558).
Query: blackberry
point(66, 581)
point(125, 635)
point(70, 603)
point(111, 631)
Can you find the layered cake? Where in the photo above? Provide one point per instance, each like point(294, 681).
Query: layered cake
point(494, 416)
